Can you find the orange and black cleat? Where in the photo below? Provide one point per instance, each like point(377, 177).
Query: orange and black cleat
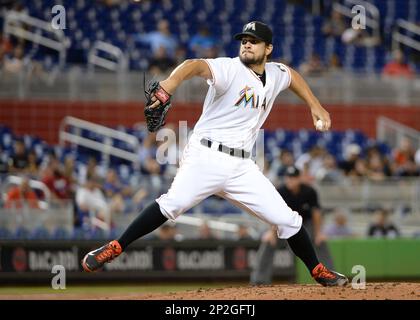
point(95, 259)
point(328, 278)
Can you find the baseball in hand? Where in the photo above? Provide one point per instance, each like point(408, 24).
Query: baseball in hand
point(319, 125)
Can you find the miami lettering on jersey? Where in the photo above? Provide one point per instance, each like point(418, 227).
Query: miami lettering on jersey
point(247, 97)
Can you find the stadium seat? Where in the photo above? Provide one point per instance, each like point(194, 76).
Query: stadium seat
point(22, 233)
point(5, 233)
point(303, 34)
point(40, 233)
point(60, 234)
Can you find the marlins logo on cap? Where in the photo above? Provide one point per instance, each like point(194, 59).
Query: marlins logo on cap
point(258, 30)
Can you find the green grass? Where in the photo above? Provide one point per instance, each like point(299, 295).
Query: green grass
point(114, 289)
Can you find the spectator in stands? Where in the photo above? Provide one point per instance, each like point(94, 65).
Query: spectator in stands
point(180, 54)
point(243, 233)
point(90, 169)
point(168, 232)
point(310, 162)
point(403, 153)
point(112, 184)
point(5, 45)
point(376, 168)
point(381, 227)
point(21, 196)
point(136, 202)
point(408, 169)
point(203, 44)
point(351, 155)
point(359, 171)
point(397, 67)
point(69, 171)
point(335, 25)
point(57, 183)
point(204, 232)
point(15, 62)
point(33, 165)
point(329, 172)
point(19, 161)
point(147, 156)
point(91, 201)
point(312, 67)
point(115, 192)
point(339, 228)
point(279, 165)
point(161, 38)
point(161, 63)
point(4, 163)
point(359, 37)
point(377, 165)
point(334, 65)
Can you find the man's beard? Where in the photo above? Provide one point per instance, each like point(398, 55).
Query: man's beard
point(248, 61)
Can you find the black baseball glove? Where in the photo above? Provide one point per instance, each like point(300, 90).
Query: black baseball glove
point(155, 117)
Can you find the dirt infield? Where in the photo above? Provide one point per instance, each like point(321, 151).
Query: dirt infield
point(373, 291)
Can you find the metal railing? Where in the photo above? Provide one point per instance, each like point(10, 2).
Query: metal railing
point(94, 59)
point(21, 25)
point(392, 132)
point(29, 220)
point(400, 38)
point(371, 22)
point(108, 134)
point(34, 184)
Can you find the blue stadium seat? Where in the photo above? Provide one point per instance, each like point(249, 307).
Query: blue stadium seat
point(124, 19)
point(5, 233)
point(22, 233)
point(60, 234)
point(40, 233)
point(97, 234)
point(79, 234)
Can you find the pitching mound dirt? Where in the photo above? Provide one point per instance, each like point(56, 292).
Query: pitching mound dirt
point(373, 291)
point(377, 291)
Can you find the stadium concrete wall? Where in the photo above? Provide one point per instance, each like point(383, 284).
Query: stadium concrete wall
point(42, 118)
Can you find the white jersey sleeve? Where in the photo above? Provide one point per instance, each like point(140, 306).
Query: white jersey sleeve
point(283, 77)
point(222, 71)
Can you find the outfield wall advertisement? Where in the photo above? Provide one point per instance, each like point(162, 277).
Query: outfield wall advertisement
point(33, 260)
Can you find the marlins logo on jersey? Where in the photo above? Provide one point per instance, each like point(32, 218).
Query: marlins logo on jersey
point(247, 97)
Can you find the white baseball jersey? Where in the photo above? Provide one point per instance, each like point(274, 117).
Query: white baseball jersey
point(235, 108)
point(237, 102)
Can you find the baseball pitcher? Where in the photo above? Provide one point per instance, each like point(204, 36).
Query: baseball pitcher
point(217, 158)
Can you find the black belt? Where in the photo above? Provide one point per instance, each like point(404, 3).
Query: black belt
point(231, 151)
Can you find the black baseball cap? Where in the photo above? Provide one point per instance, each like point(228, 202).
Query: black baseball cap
point(256, 29)
point(292, 171)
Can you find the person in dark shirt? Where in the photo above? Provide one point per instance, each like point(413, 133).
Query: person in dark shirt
point(19, 161)
point(382, 228)
point(303, 199)
point(352, 154)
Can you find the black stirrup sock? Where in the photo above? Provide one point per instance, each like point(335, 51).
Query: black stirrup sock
point(149, 219)
point(302, 247)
